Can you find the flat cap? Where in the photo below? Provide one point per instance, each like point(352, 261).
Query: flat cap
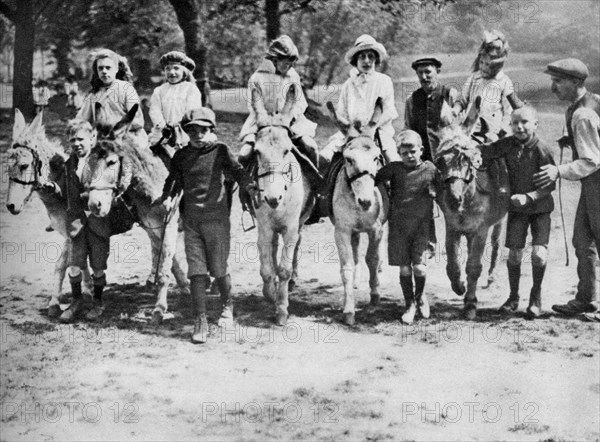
point(568, 68)
point(201, 116)
point(177, 57)
point(426, 62)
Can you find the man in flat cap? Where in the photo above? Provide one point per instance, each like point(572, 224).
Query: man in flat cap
point(424, 106)
point(583, 136)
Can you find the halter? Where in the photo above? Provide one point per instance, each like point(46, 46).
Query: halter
point(114, 188)
point(37, 168)
point(471, 168)
point(351, 179)
point(273, 171)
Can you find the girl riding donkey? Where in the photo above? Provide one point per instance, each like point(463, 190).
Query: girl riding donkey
point(112, 96)
point(359, 94)
point(171, 100)
point(272, 79)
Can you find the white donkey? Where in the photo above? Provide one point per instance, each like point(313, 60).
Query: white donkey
point(283, 204)
point(358, 206)
point(28, 165)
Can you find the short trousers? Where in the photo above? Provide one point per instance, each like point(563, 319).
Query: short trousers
point(408, 243)
point(89, 245)
point(518, 224)
point(207, 246)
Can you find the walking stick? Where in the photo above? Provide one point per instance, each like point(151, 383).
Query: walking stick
point(562, 216)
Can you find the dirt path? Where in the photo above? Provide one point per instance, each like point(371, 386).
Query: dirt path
point(442, 379)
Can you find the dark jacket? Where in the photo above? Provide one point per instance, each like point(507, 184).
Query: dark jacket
point(201, 173)
point(523, 161)
point(412, 190)
point(423, 116)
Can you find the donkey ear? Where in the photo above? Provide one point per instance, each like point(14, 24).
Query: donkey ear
point(258, 106)
point(19, 125)
point(472, 116)
point(342, 124)
point(122, 126)
point(290, 99)
point(36, 124)
point(374, 121)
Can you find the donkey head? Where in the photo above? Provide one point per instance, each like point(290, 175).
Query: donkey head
point(108, 172)
point(362, 157)
point(458, 158)
point(24, 163)
point(276, 171)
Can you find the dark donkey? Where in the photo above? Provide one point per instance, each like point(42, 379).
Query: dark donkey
point(470, 202)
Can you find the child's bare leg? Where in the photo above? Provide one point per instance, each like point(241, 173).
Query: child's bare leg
point(513, 264)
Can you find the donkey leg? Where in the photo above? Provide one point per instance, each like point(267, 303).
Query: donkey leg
point(284, 272)
point(495, 239)
point(292, 283)
point(343, 241)
point(267, 269)
point(453, 265)
point(355, 242)
point(476, 246)
point(373, 263)
point(164, 265)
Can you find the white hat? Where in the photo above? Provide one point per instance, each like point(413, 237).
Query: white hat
point(364, 43)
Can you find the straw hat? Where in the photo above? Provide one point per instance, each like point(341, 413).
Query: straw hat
point(364, 43)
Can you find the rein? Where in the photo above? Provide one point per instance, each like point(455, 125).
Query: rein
point(37, 168)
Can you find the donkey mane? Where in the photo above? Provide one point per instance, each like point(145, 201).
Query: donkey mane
point(149, 172)
point(453, 139)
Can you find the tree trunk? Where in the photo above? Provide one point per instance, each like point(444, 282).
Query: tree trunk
point(23, 64)
point(61, 54)
point(272, 16)
point(143, 69)
point(189, 17)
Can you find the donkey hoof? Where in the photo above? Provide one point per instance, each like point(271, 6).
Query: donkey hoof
point(291, 285)
point(157, 318)
point(54, 311)
point(349, 319)
point(281, 319)
point(470, 312)
point(65, 298)
point(374, 299)
point(459, 288)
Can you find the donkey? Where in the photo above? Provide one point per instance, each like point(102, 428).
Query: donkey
point(470, 203)
point(283, 203)
point(29, 163)
point(113, 160)
point(358, 206)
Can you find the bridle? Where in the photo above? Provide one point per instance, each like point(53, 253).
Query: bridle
point(37, 168)
point(116, 188)
point(272, 171)
point(455, 163)
point(356, 176)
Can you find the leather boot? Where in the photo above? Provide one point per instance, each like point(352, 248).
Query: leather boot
point(421, 298)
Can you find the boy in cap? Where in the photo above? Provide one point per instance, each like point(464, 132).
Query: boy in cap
point(583, 136)
point(171, 100)
point(113, 90)
point(359, 94)
point(423, 108)
point(529, 208)
point(412, 183)
point(199, 170)
point(272, 79)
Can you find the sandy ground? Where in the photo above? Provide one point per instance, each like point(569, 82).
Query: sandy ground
point(441, 379)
